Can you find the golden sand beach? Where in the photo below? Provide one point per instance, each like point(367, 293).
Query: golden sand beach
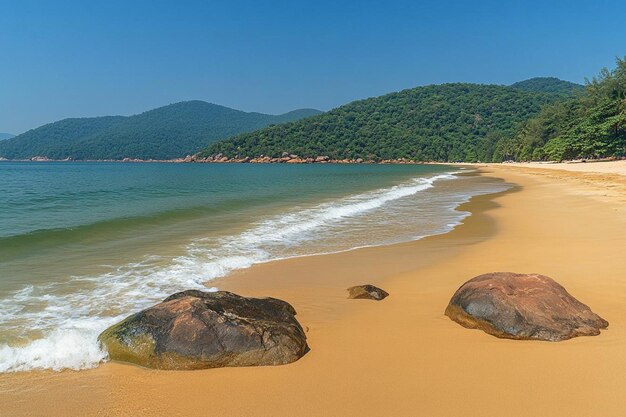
point(402, 356)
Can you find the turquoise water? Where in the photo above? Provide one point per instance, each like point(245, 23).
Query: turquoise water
point(85, 244)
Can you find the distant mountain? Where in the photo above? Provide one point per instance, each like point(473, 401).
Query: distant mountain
point(4, 136)
point(550, 85)
point(295, 115)
point(54, 139)
point(449, 122)
point(167, 132)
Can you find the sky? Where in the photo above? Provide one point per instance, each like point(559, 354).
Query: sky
point(63, 59)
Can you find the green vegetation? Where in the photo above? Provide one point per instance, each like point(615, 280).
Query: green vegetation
point(164, 133)
point(51, 139)
point(450, 122)
point(590, 125)
point(536, 119)
point(549, 85)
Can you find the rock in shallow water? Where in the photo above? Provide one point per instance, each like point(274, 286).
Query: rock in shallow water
point(368, 292)
point(195, 330)
point(522, 306)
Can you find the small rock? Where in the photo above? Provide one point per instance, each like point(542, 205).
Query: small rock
point(368, 292)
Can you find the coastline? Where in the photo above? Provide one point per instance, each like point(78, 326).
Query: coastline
point(609, 166)
point(225, 160)
point(402, 356)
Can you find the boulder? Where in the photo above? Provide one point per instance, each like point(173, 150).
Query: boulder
point(522, 306)
point(367, 292)
point(195, 330)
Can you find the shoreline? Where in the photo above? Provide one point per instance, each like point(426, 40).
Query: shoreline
point(580, 165)
point(247, 245)
point(187, 160)
point(402, 356)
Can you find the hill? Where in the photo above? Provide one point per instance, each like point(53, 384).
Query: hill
point(49, 140)
point(550, 85)
point(449, 122)
point(167, 132)
point(4, 136)
point(590, 125)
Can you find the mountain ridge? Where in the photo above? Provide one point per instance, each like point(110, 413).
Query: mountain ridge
point(166, 132)
point(446, 122)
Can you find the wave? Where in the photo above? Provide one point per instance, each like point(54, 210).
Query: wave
point(57, 324)
point(30, 241)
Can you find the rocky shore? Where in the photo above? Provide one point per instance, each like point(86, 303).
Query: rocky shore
point(287, 158)
point(219, 158)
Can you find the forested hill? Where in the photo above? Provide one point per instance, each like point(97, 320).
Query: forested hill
point(167, 132)
point(590, 125)
point(550, 85)
point(449, 122)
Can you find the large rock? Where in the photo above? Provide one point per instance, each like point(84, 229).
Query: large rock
point(368, 292)
point(194, 330)
point(522, 306)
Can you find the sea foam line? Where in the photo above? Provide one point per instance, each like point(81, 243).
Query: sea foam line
point(70, 320)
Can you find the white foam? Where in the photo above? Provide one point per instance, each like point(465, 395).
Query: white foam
point(70, 315)
point(72, 348)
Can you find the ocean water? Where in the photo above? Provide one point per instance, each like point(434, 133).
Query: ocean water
point(83, 245)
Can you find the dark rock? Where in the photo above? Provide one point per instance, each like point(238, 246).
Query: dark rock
point(522, 306)
point(194, 330)
point(368, 292)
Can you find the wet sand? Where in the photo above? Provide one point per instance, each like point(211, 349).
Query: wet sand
point(402, 356)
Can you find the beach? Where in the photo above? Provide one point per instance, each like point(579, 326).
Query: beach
point(402, 356)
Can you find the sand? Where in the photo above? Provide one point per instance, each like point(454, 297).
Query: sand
point(402, 356)
point(601, 167)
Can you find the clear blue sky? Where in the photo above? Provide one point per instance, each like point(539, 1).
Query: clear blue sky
point(84, 58)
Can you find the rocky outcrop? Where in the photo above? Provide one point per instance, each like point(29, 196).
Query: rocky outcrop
point(367, 292)
point(522, 306)
point(194, 330)
point(287, 158)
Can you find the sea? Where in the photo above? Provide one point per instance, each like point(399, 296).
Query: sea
point(85, 244)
